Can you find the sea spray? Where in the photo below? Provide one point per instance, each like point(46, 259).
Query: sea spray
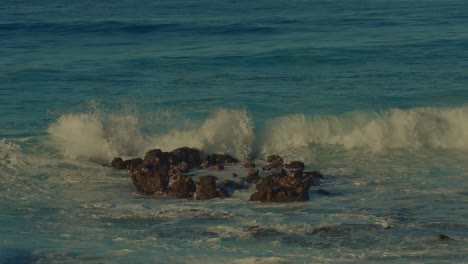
point(416, 128)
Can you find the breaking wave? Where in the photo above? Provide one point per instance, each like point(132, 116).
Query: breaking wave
point(98, 136)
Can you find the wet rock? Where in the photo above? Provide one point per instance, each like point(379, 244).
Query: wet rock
point(151, 178)
point(281, 186)
point(181, 186)
point(252, 176)
point(249, 165)
point(204, 165)
point(179, 168)
point(117, 163)
point(218, 167)
point(190, 156)
point(275, 161)
point(266, 167)
point(221, 159)
point(442, 237)
point(132, 164)
point(261, 232)
point(206, 188)
point(298, 165)
point(234, 175)
point(157, 156)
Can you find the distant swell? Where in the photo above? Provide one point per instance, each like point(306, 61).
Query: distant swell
point(98, 136)
point(115, 27)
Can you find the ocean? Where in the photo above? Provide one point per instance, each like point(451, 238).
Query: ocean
point(371, 93)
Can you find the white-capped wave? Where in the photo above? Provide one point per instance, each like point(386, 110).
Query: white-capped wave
point(98, 136)
point(416, 128)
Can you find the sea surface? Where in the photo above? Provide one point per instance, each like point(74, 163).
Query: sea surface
point(371, 93)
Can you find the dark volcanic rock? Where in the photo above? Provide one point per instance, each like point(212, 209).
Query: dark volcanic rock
point(275, 160)
point(218, 167)
point(249, 165)
point(442, 237)
point(151, 178)
point(282, 186)
point(181, 186)
point(157, 156)
point(189, 155)
point(204, 165)
point(117, 163)
point(252, 176)
point(221, 159)
point(179, 168)
point(132, 164)
point(298, 165)
point(206, 188)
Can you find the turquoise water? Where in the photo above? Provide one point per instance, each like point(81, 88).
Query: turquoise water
point(371, 93)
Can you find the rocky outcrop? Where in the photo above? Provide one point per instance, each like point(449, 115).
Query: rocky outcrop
point(151, 178)
point(282, 186)
point(297, 165)
point(206, 188)
point(190, 156)
point(275, 161)
point(162, 173)
point(181, 186)
point(130, 165)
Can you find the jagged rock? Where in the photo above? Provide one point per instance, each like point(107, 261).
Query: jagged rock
point(442, 237)
point(206, 188)
point(275, 161)
point(118, 163)
point(132, 164)
point(179, 168)
point(157, 156)
point(252, 176)
point(204, 165)
point(281, 186)
point(266, 167)
point(181, 186)
point(189, 155)
point(151, 178)
point(298, 165)
point(249, 165)
point(221, 159)
point(218, 167)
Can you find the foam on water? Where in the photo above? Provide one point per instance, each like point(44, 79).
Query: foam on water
point(415, 128)
point(98, 136)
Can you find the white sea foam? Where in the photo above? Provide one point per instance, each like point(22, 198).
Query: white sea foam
point(412, 129)
point(97, 136)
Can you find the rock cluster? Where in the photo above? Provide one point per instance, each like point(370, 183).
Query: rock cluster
point(162, 173)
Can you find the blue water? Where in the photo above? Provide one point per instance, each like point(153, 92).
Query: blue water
point(371, 93)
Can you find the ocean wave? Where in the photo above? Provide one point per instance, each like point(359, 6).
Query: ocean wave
point(416, 128)
point(98, 136)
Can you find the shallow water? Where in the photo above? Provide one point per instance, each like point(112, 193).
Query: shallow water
point(371, 93)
